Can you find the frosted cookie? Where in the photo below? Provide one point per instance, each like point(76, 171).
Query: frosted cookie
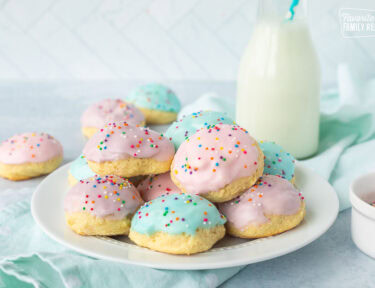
point(79, 170)
point(277, 161)
point(156, 185)
point(218, 162)
point(177, 224)
point(270, 207)
point(99, 114)
point(185, 127)
point(29, 155)
point(101, 206)
point(125, 150)
point(157, 102)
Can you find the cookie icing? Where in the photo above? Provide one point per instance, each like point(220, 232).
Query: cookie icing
point(80, 169)
point(214, 157)
point(183, 128)
point(110, 196)
point(156, 185)
point(155, 97)
point(176, 214)
point(271, 195)
point(111, 110)
point(120, 140)
point(29, 147)
point(277, 161)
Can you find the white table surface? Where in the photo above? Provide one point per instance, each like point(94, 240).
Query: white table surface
point(55, 107)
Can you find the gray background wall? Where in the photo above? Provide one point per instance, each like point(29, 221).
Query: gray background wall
point(155, 39)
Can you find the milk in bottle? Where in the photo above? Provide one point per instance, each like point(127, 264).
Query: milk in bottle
point(279, 80)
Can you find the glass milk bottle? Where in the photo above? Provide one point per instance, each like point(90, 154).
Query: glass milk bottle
point(279, 79)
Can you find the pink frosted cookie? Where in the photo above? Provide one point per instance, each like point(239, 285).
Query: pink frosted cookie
point(101, 206)
point(218, 162)
point(125, 150)
point(29, 155)
point(155, 186)
point(273, 205)
point(109, 110)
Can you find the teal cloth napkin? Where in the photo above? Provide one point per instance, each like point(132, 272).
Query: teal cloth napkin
point(31, 259)
point(347, 133)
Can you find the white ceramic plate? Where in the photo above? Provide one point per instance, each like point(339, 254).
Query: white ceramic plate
point(321, 211)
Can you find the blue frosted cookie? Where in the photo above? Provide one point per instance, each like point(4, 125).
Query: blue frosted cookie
point(158, 103)
point(177, 224)
point(185, 127)
point(277, 161)
point(79, 170)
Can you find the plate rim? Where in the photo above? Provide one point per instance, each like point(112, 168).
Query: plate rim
point(185, 266)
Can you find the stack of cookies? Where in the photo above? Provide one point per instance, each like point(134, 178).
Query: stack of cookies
point(180, 192)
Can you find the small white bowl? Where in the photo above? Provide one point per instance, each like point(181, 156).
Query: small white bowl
point(362, 192)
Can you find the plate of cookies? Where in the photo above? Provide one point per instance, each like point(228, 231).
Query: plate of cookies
point(203, 195)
